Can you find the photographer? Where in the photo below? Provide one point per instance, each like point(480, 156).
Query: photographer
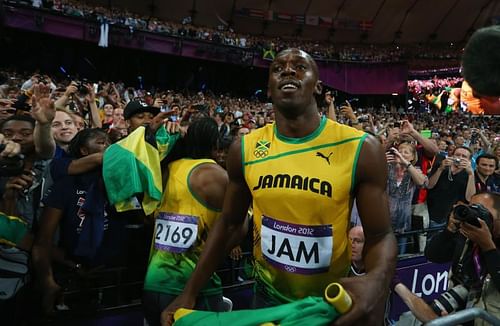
point(83, 97)
point(451, 180)
point(473, 251)
point(22, 182)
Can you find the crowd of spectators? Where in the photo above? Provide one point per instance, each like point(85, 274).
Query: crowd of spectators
point(444, 54)
point(423, 148)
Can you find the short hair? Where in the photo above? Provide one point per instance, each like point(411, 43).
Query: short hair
point(496, 200)
point(466, 148)
point(25, 118)
point(308, 56)
point(82, 138)
point(487, 156)
point(480, 61)
point(67, 111)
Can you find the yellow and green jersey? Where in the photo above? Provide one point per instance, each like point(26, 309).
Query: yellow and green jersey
point(182, 223)
point(302, 191)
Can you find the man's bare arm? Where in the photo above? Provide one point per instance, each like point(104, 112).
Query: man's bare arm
point(370, 290)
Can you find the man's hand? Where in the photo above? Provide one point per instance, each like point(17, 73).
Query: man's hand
point(90, 97)
point(447, 162)
point(467, 166)
point(42, 107)
point(11, 148)
point(407, 127)
point(71, 89)
point(182, 301)
point(368, 301)
point(329, 99)
point(162, 119)
point(158, 102)
point(20, 182)
point(348, 111)
point(481, 236)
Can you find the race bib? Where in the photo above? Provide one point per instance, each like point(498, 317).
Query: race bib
point(296, 248)
point(175, 232)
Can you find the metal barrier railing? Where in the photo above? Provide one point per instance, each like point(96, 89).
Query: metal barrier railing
point(465, 316)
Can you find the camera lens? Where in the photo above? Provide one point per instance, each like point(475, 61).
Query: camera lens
point(450, 301)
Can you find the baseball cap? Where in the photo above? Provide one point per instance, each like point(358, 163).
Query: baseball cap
point(134, 107)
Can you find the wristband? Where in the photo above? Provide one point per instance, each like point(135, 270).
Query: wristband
point(408, 165)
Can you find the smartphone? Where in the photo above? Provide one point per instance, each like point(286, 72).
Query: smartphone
point(96, 88)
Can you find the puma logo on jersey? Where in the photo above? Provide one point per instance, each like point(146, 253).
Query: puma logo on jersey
point(327, 158)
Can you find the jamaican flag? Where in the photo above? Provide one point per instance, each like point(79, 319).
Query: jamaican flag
point(132, 166)
point(308, 311)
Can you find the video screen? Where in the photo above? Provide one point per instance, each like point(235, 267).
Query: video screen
point(450, 95)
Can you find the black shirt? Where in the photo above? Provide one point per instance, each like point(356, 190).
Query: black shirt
point(449, 189)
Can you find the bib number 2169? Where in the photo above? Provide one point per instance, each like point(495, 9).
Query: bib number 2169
point(175, 233)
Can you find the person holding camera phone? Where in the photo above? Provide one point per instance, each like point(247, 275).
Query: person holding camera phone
point(470, 241)
point(348, 112)
point(451, 179)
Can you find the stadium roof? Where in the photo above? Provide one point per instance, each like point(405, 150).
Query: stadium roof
point(343, 21)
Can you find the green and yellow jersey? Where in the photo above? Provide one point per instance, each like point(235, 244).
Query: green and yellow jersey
point(302, 191)
point(181, 228)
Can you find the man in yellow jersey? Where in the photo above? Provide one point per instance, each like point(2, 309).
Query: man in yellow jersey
point(191, 202)
point(302, 174)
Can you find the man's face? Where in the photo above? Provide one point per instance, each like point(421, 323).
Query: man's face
point(459, 141)
point(6, 110)
point(140, 119)
point(293, 79)
point(96, 145)
point(467, 134)
point(486, 166)
point(462, 153)
point(79, 122)
point(20, 132)
point(229, 118)
point(63, 128)
point(243, 131)
point(442, 145)
point(357, 239)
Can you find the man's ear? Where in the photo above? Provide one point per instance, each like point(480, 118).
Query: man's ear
point(84, 151)
point(318, 89)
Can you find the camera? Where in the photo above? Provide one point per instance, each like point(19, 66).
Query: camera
point(472, 213)
point(364, 118)
point(452, 300)
point(82, 87)
point(11, 166)
point(456, 161)
point(474, 137)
